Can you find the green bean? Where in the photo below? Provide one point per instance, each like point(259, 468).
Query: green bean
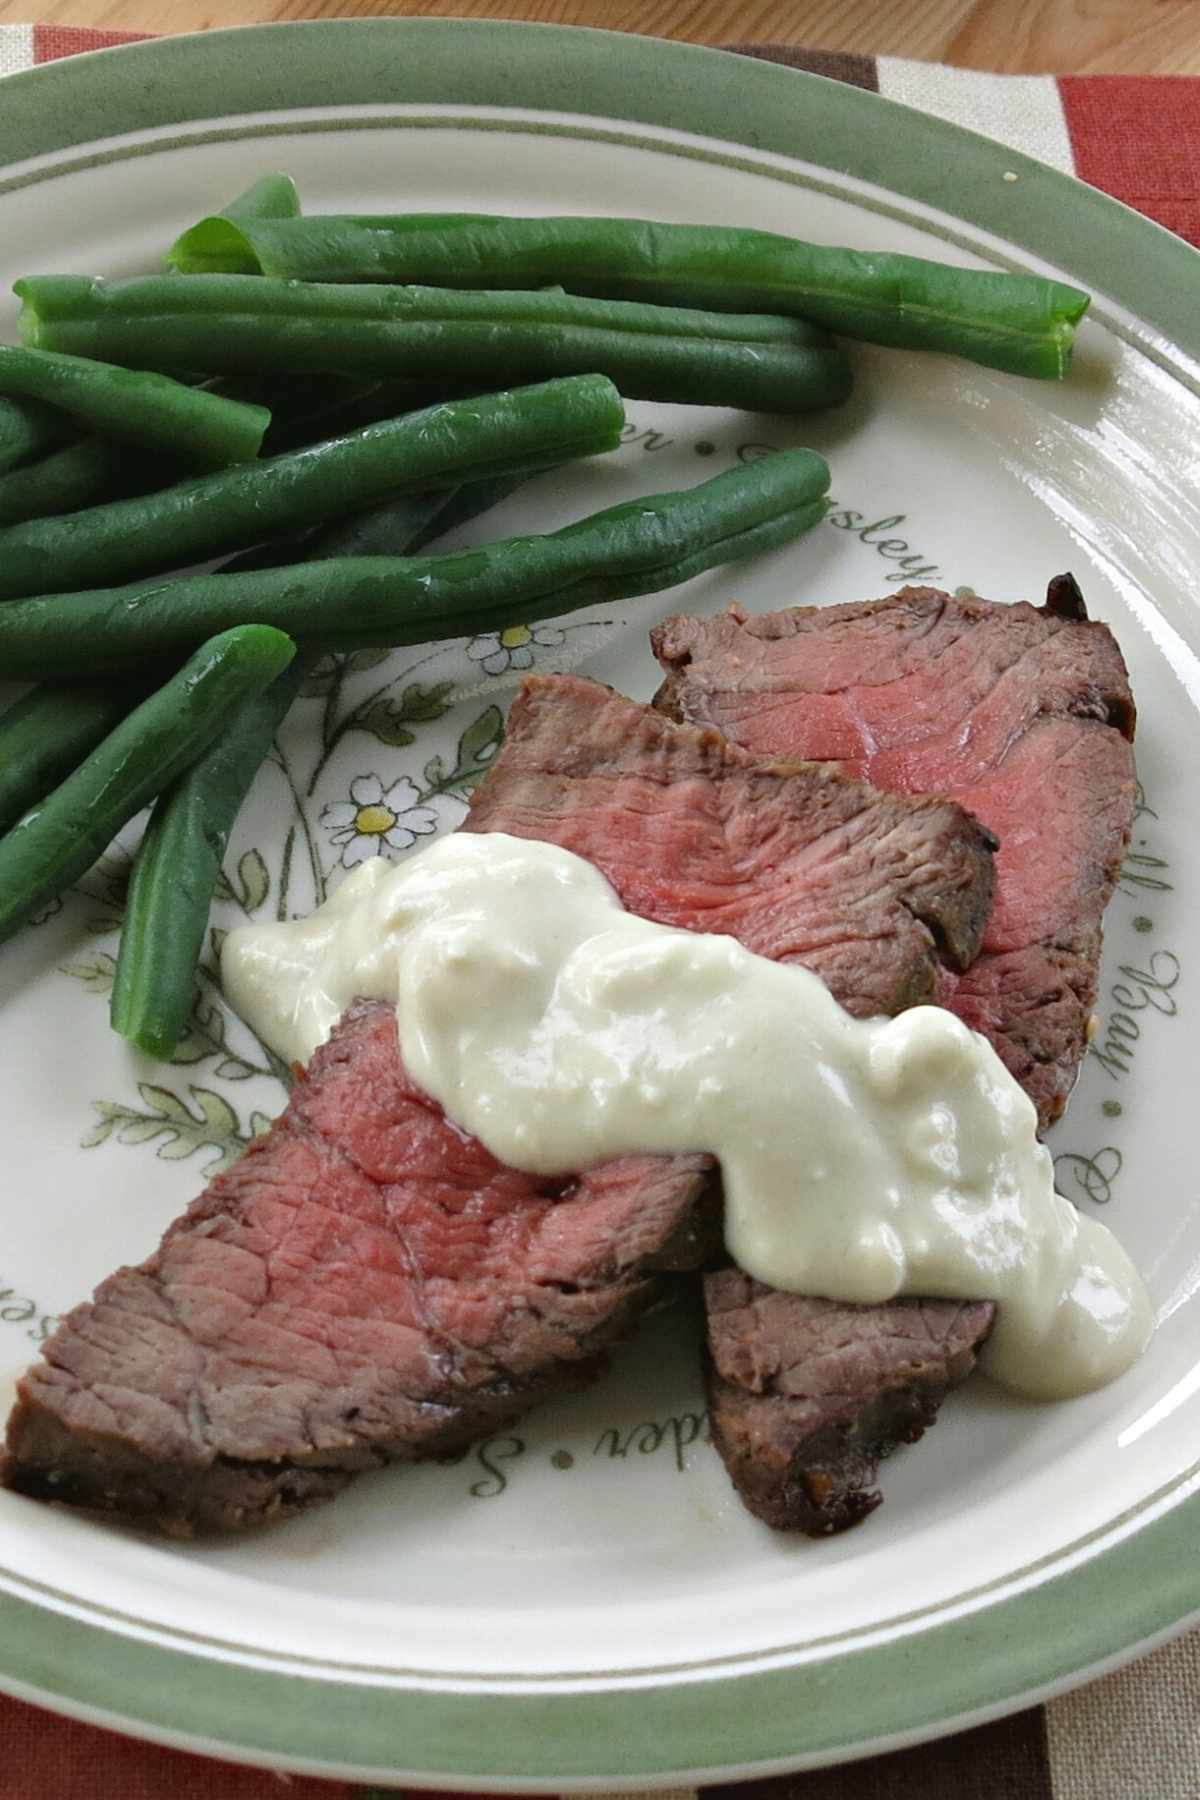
point(373, 402)
point(176, 868)
point(238, 507)
point(77, 475)
point(270, 197)
point(1022, 323)
point(59, 840)
point(27, 430)
point(144, 409)
point(387, 530)
point(637, 548)
point(46, 733)
point(231, 323)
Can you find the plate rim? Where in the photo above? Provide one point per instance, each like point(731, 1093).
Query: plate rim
point(987, 1661)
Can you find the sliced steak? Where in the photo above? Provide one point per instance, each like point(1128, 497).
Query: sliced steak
point(1022, 714)
point(1025, 716)
point(367, 1283)
point(808, 1395)
point(877, 893)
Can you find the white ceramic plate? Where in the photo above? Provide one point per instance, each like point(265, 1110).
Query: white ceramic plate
point(583, 1601)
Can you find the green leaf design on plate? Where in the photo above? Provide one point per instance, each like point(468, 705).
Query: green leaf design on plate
point(207, 1036)
point(382, 722)
point(99, 925)
point(96, 972)
point(252, 884)
point(210, 1123)
point(255, 880)
point(359, 661)
point(477, 749)
point(479, 742)
point(420, 703)
point(321, 678)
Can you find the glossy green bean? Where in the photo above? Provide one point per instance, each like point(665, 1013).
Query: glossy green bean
point(176, 868)
point(47, 732)
point(151, 411)
point(241, 322)
point(1024, 324)
point(373, 402)
point(57, 841)
point(238, 507)
point(637, 548)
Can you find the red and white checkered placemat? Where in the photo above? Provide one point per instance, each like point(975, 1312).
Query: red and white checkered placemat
point(1132, 1736)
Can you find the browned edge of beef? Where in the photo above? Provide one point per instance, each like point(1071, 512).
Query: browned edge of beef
point(366, 1283)
point(827, 682)
point(809, 1395)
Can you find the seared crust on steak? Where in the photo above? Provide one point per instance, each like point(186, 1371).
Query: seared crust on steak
point(808, 1395)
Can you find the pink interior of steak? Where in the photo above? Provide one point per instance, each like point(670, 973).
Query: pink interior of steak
point(366, 1282)
point(796, 861)
point(1021, 714)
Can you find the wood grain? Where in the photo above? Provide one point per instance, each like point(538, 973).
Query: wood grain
point(1149, 37)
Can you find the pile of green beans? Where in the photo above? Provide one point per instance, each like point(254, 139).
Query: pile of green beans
point(356, 602)
point(176, 868)
point(134, 407)
point(58, 840)
point(1024, 324)
point(75, 476)
point(240, 323)
point(235, 508)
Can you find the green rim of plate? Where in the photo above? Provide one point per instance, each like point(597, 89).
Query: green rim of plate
point(715, 1724)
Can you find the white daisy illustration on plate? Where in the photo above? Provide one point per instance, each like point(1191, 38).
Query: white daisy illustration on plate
point(376, 820)
point(498, 651)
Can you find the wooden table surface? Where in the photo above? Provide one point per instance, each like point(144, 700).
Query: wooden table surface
point(1150, 37)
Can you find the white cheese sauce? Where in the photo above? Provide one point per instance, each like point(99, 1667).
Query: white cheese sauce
point(860, 1160)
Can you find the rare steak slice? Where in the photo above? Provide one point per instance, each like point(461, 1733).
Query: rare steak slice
point(807, 1395)
point(1022, 714)
point(1025, 716)
point(367, 1283)
point(877, 893)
